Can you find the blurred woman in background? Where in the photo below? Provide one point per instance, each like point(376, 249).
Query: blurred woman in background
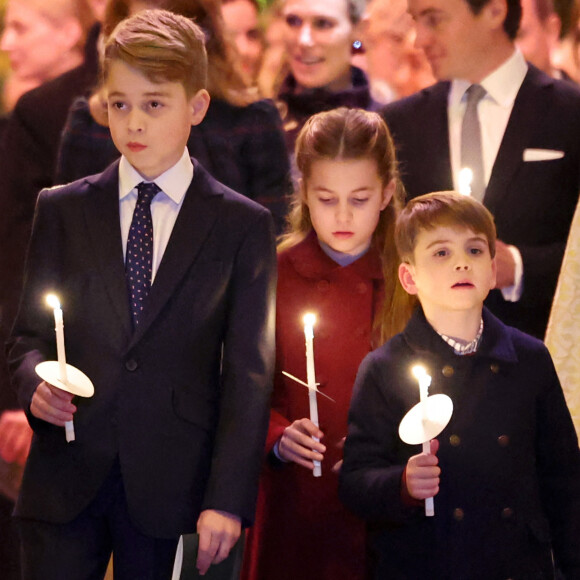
point(242, 29)
point(320, 38)
point(42, 40)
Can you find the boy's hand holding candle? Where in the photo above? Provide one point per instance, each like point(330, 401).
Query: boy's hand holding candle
point(52, 404)
point(422, 424)
point(52, 400)
point(422, 473)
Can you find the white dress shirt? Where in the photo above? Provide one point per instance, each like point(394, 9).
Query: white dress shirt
point(165, 206)
point(494, 111)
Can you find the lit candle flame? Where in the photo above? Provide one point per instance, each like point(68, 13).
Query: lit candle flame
point(53, 301)
point(419, 372)
point(309, 319)
point(423, 379)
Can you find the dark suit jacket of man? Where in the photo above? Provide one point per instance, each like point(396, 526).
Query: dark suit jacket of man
point(532, 202)
point(182, 401)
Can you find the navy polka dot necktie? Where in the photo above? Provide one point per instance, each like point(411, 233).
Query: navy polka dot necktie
point(139, 260)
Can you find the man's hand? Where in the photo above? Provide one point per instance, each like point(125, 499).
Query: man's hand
point(218, 532)
point(506, 267)
point(423, 473)
point(52, 405)
point(297, 443)
point(15, 436)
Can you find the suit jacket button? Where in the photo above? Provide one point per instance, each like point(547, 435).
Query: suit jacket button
point(458, 514)
point(455, 440)
point(447, 371)
point(131, 364)
point(503, 440)
point(507, 513)
point(494, 368)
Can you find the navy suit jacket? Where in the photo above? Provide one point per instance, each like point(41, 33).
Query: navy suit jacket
point(532, 202)
point(183, 400)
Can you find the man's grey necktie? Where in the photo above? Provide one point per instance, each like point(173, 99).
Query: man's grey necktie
point(471, 153)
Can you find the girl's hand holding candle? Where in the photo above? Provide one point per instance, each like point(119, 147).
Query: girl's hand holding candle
point(300, 443)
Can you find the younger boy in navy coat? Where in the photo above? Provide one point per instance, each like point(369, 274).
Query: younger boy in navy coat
point(505, 472)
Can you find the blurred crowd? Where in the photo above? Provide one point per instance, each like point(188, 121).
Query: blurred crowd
point(271, 66)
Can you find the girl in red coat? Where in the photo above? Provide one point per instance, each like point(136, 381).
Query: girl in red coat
point(338, 261)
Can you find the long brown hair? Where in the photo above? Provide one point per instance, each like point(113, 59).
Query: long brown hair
point(356, 134)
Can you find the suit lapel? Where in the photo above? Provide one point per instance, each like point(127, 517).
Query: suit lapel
point(195, 220)
point(438, 123)
point(532, 98)
point(104, 232)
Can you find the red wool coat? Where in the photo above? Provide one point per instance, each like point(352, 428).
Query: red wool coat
point(302, 531)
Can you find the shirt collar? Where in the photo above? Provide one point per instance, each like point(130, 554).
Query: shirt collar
point(173, 183)
point(339, 257)
point(502, 85)
point(461, 347)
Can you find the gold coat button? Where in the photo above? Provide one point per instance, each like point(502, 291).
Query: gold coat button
point(447, 371)
point(455, 440)
point(458, 514)
point(503, 440)
point(494, 367)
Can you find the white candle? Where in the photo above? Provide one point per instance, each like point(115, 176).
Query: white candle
point(309, 320)
point(54, 303)
point(424, 381)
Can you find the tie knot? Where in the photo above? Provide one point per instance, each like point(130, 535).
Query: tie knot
point(474, 94)
point(146, 192)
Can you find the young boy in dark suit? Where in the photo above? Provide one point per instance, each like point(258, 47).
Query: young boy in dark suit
point(167, 283)
point(505, 472)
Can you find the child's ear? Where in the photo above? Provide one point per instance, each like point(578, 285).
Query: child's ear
point(199, 104)
point(388, 193)
point(406, 276)
point(495, 11)
point(493, 281)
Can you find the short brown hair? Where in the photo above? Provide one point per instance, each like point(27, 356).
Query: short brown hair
point(163, 46)
point(442, 208)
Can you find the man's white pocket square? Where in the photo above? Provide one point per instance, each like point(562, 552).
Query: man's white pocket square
point(542, 154)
